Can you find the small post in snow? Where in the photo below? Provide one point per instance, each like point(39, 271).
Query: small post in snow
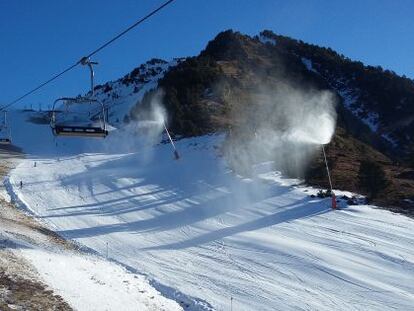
point(231, 303)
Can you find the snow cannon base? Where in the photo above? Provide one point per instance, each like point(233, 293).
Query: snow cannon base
point(333, 201)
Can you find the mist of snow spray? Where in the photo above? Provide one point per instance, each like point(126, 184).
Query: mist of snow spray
point(286, 125)
point(149, 124)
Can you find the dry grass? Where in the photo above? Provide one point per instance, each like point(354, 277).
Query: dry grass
point(22, 293)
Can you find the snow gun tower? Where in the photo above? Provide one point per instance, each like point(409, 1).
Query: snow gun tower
point(333, 203)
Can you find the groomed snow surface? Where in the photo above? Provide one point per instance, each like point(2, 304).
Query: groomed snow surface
point(203, 235)
point(92, 283)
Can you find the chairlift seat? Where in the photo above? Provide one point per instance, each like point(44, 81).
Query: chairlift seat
point(74, 127)
point(5, 141)
point(79, 131)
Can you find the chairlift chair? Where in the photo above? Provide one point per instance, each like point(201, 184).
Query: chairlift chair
point(68, 122)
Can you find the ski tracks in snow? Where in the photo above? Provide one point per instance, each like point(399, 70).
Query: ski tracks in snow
point(203, 235)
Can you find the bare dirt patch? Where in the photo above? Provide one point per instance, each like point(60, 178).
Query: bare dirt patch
point(19, 289)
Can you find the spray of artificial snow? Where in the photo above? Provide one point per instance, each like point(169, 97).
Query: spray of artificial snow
point(286, 125)
point(143, 131)
point(151, 119)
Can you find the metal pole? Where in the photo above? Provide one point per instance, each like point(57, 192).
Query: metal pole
point(333, 197)
point(87, 61)
point(176, 155)
point(327, 167)
point(92, 77)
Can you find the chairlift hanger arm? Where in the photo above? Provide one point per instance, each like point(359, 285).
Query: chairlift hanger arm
point(85, 61)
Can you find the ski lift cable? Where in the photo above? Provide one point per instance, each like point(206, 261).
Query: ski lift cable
point(129, 28)
point(38, 87)
point(100, 48)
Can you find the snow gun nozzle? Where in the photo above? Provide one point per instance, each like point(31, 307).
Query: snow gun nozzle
point(176, 155)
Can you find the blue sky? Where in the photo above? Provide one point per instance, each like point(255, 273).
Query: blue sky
point(40, 38)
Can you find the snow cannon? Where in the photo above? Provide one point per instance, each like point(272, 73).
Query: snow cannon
point(176, 155)
point(333, 200)
point(329, 179)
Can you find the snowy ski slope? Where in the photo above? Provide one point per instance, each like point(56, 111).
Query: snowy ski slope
point(204, 235)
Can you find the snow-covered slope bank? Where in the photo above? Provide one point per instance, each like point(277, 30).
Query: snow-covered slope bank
point(203, 234)
point(85, 282)
point(93, 283)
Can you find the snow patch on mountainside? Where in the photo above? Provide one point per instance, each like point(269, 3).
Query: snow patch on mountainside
point(308, 64)
point(350, 100)
point(391, 140)
point(267, 40)
point(120, 95)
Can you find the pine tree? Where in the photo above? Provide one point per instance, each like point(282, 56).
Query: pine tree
point(372, 178)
